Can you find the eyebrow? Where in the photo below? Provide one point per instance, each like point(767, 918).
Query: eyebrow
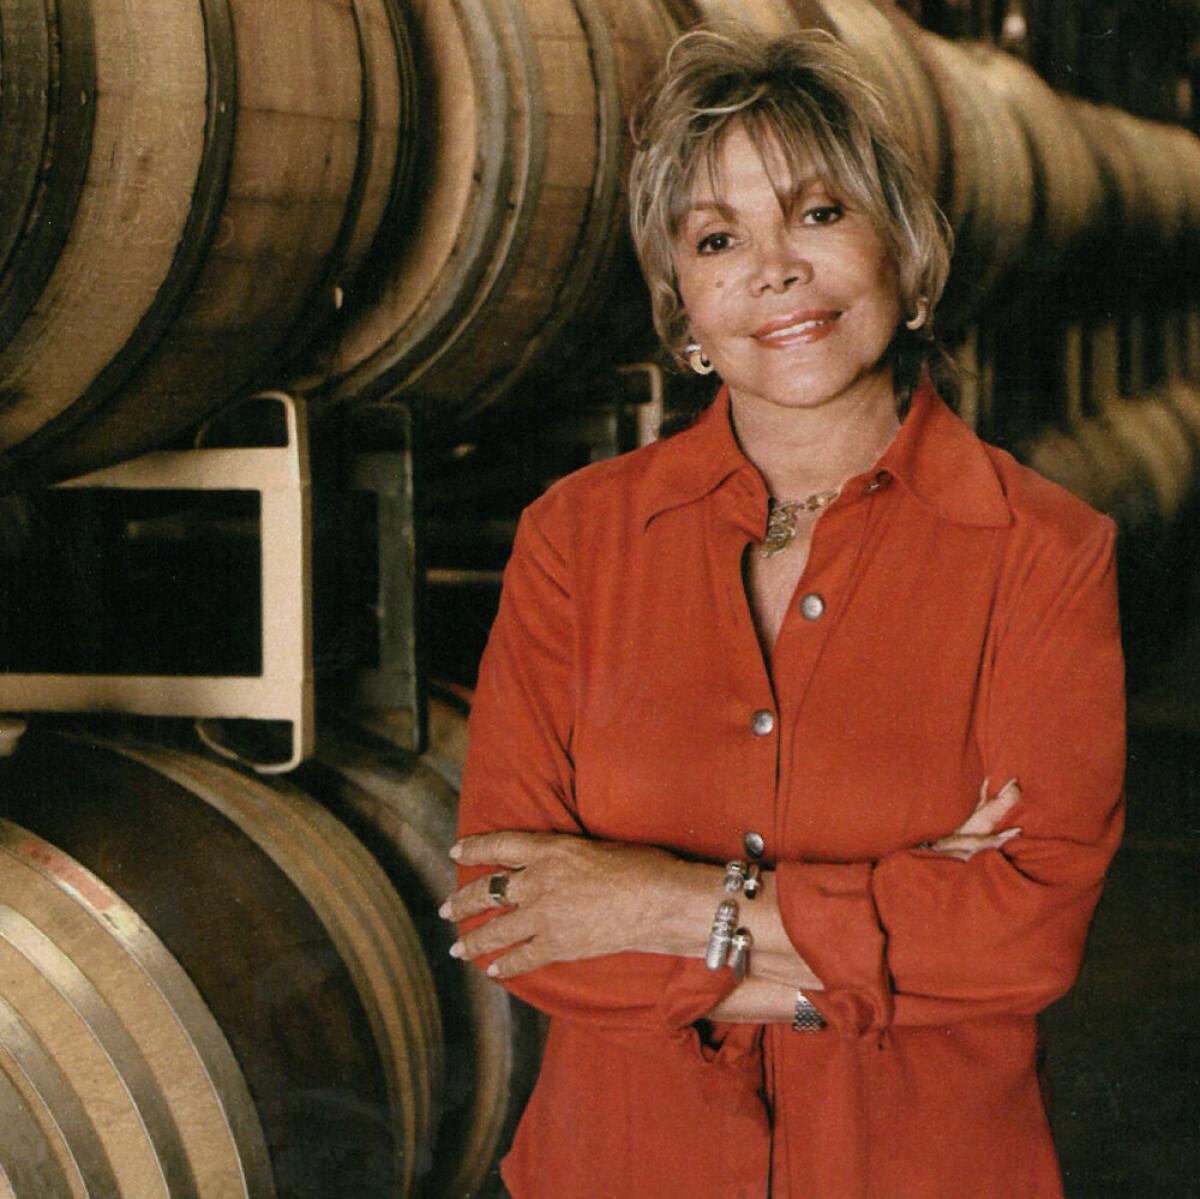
point(726, 213)
point(718, 206)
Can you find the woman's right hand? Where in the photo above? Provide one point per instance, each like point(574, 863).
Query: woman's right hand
point(978, 831)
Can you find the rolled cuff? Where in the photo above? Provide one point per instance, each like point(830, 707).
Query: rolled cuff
point(829, 915)
point(692, 990)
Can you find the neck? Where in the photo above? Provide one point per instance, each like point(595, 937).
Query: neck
point(799, 451)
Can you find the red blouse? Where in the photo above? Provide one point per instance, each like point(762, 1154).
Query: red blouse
point(967, 628)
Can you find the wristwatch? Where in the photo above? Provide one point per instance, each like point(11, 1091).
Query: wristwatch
point(805, 1017)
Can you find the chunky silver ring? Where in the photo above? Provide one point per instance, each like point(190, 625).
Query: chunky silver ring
point(498, 889)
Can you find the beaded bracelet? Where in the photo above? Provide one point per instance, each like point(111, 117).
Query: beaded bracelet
point(722, 939)
point(740, 877)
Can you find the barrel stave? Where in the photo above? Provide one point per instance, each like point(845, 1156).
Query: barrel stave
point(60, 1142)
point(80, 1056)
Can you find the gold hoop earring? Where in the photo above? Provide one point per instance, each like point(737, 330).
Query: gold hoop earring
point(916, 321)
point(696, 359)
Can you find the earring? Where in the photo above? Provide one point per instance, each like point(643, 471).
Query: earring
point(696, 359)
point(916, 321)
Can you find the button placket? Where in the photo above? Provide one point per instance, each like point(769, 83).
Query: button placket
point(727, 540)
point(835, 558)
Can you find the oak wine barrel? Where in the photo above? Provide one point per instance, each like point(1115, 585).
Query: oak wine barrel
point(1068, 190)
point(1154, 433)
point(194, 192)
point(1184, 398)
point(1058, 456)
point(517, 248)
point(116, 1078)
point(517, 231)
point(193, 186)
point(1148, 228)
point(403, 807)
point(304, 961)
point(889, 46)
point(991, 201)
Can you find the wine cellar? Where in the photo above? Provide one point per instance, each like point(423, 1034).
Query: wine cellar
point(301, 303)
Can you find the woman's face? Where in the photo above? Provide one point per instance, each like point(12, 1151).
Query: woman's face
point(794, 304)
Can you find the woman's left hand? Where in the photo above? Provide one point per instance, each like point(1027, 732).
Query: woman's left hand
point(978, 831)
point(565, 898)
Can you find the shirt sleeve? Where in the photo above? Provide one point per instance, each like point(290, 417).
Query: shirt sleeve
point(519, 775)
point(922, 938)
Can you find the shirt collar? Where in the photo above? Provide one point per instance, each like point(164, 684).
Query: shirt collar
point(694, 463)
point(944, 465)
point(934, 456)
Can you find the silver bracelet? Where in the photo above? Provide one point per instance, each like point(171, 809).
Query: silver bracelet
point(739, 959)
point(752, 881)
point(805, 1017)
point(721, 934)
point(740, 877)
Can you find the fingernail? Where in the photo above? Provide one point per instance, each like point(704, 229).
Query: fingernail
point(456, 850)
point(1009, 834)
point(1010, 783)
point(493, 970)
point(456, 950)
point(444, 910)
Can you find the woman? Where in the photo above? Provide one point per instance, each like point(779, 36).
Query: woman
point(799, 637)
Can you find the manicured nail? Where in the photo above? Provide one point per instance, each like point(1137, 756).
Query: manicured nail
point(1009, 834)
point(456, 850)
point(456, 950)
point(1010, 783)
point(493, 970)
point(444, 910)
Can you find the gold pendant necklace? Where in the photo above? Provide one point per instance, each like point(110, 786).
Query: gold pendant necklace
point(781, 519)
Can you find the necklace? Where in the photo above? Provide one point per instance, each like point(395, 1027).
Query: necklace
point(781, 519)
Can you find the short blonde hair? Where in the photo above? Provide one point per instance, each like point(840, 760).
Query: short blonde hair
point(804, 93)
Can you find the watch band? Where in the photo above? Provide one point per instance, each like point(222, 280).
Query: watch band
point(805, 1017)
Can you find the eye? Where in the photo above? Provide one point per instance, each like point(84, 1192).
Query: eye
point(823, 214)
point(714, 243)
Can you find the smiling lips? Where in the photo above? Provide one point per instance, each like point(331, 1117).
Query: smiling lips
point(797, 328)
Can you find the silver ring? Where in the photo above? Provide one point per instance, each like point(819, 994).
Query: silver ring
point(498, 889)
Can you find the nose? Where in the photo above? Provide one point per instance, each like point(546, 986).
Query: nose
point(780, 266)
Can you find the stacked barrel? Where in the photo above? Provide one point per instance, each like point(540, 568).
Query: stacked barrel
point(186, 192)
point(426, 204)
point(212, 986)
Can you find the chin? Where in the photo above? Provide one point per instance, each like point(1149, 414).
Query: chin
point(811, 393)
point(804, 380)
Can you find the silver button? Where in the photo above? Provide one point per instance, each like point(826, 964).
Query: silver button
point(812, 606)
point(762, 722)
point(754, 843)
